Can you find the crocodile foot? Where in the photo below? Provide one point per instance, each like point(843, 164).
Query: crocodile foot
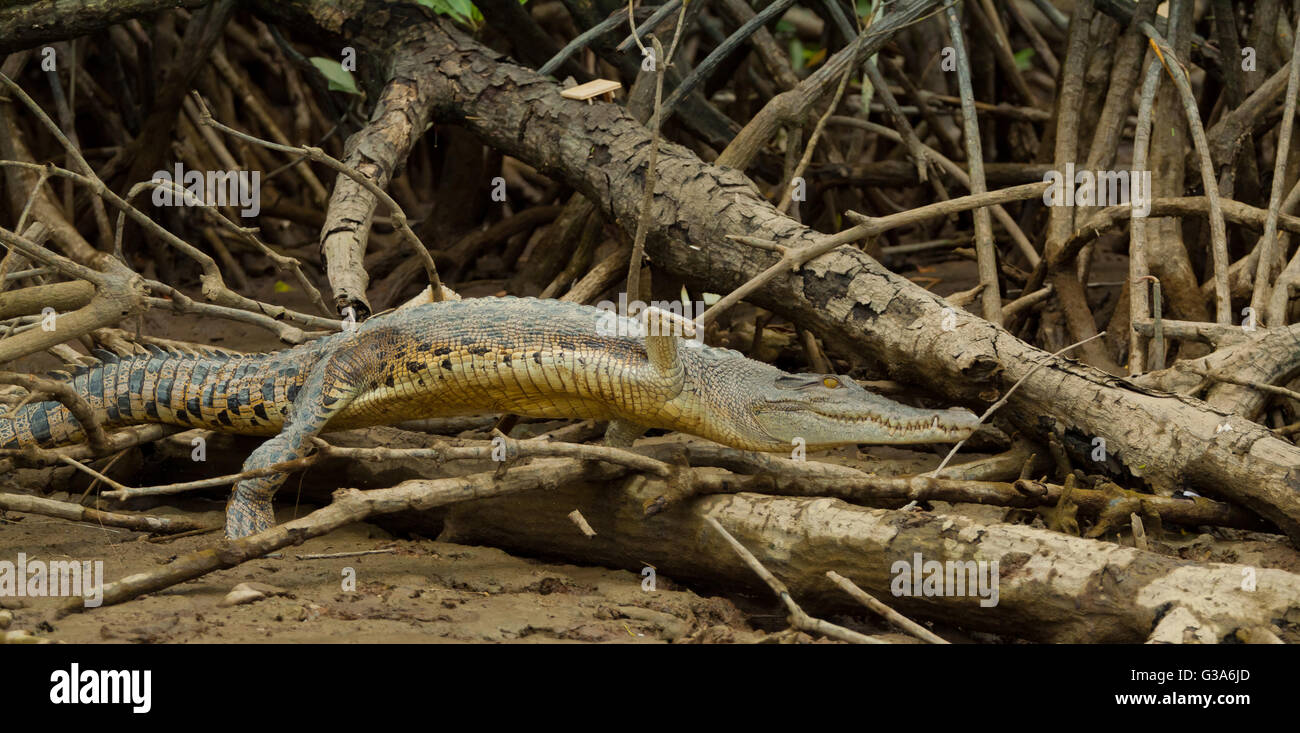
point(248, 512)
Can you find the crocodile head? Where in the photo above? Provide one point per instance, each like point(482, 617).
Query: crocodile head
point(722, 395)
point(756, 406)
point(829, 410)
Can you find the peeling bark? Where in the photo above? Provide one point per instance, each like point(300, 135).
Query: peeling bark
point(1051, 587)
point(29, 23)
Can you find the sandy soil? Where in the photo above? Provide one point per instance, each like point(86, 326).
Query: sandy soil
point(413, 590)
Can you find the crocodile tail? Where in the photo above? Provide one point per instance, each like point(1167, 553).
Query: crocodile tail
point(105, 384)
point(208, 389)
point(34, 425)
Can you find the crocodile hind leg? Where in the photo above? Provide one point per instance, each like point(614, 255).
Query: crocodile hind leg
point(327, 390)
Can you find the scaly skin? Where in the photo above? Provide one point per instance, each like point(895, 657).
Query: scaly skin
point(536, 358)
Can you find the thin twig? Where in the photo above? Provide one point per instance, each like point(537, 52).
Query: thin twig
point(993, 407)
point(661, 62)
point(798, 618)
point(812, 142)
point(1218, 231)
point(888, 613)
point(441, 452)
point(794, 258)
point(1139, 305)
point(986, 253)
point(320, 156)
point(77, 513)
point(1265, 266)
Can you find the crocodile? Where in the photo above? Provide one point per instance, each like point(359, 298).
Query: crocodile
point(531, 357)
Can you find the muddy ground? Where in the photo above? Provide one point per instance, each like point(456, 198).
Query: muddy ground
point(413, 590)
point(408, 587)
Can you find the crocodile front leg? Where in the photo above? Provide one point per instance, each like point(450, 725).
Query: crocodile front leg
point(249, 510)
point(328, 389)
point(623, 433)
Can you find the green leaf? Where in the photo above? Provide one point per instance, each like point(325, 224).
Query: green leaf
point(784, 26)
point(797, 59)
point(461, 11)
point(1022, 58)
point(340, 79)
point(462, 8)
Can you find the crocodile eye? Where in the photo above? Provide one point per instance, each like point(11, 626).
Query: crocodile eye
point(830, 382)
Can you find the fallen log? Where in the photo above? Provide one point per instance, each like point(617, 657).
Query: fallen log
point(895, 492)
point(767, 474)
point(1050, 587)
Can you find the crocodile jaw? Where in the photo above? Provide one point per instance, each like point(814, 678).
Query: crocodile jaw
point(889, 423)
